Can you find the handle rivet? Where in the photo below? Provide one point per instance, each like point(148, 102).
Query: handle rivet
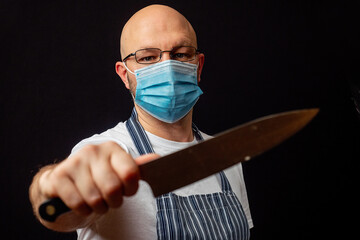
point(50, 210)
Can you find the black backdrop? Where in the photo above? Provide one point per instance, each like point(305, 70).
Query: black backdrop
point(58, 86)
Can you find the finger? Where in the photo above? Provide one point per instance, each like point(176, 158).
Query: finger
point(127, 171)
point(107, 182)
point(146, 158)
point(72, 198)
point(83, 180)
point(64, 188)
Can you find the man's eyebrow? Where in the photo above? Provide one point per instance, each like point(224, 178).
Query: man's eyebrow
point(146, 46)
point(175, 46)
point(183, 42)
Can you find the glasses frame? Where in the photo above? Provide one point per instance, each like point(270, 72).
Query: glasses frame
point(197, 51)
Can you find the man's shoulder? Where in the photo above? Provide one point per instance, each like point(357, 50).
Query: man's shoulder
point(116, 134)
point(119, 131)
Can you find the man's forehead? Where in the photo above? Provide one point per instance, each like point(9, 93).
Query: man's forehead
point(158, 43)
point(156, 26)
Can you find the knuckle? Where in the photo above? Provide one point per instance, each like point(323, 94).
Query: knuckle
point(130, 173)
point(59, 172)
point(110, 144)
point(67, 167)
point(73, 201)
point(111, 190)
point(90, 150)
point(94, 201)
point(77, 204)
point(97, 204)
point(47, 185)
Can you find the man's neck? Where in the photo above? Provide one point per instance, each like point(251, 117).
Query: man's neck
point(181, 131)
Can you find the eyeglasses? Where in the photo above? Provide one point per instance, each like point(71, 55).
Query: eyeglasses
point(153, 55)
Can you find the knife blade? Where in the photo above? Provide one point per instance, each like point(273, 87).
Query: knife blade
point(196, 162)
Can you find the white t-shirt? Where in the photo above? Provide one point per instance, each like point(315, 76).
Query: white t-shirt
point(136, 218)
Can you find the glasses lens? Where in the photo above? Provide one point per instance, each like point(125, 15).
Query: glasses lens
point(148, 56)
point(153, 55)
point(184, 54)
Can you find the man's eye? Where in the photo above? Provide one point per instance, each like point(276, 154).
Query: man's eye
point(180, 55)
point(147, 59)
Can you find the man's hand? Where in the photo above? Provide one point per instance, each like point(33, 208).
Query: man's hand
point(92, 180)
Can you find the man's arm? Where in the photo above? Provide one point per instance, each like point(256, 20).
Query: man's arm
point(89, 182)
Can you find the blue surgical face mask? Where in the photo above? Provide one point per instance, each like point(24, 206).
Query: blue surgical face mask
point(167, 90)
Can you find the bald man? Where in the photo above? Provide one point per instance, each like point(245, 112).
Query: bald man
point(100, 182)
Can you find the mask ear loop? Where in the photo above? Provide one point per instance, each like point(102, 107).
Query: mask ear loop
point(128, 69)
point(132, 95)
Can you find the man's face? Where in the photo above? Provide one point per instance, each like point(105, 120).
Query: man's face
point(155, 28)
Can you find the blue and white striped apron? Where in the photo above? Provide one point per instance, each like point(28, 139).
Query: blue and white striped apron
point(206, 216)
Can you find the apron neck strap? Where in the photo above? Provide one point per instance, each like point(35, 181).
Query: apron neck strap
point(197, 133)
point(138, 134)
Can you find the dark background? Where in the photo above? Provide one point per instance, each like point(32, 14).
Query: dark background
point(58, 86)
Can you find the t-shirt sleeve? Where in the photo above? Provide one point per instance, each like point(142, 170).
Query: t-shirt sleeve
point(96, 140)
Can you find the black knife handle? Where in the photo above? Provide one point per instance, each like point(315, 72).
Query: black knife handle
point(52, 208)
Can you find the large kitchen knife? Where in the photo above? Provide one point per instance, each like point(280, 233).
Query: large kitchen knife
point(191, 164)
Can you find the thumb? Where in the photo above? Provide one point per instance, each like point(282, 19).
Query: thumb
point(146, 158)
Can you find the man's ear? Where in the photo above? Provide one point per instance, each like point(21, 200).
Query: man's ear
point(201, 65)
point(121, 71)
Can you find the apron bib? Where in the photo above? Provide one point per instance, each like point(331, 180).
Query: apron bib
point(205, 216)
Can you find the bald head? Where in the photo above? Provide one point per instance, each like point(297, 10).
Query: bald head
point(156, 26)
